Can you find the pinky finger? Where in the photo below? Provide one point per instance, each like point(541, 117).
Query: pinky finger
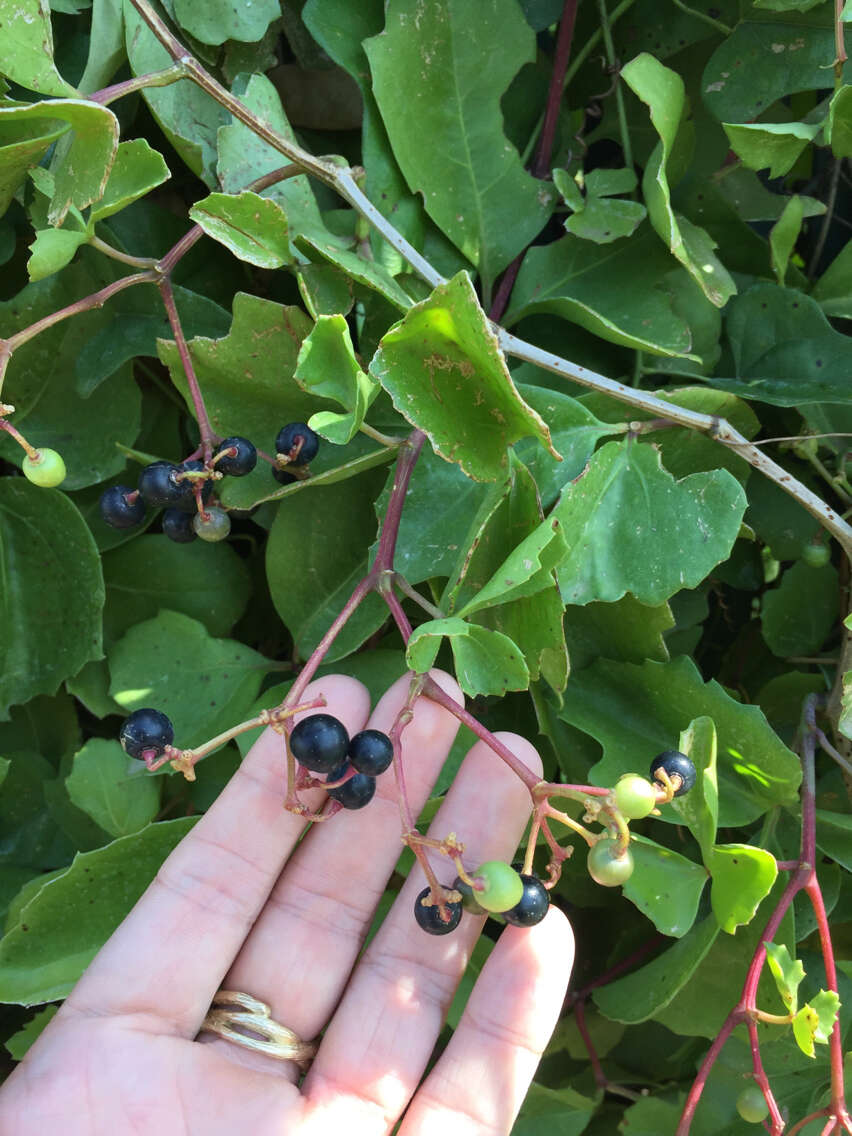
point(481, 1079)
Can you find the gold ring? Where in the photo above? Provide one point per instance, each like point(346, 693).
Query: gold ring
point(242, 1019)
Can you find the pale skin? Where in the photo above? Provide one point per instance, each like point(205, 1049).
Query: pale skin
point(238, 905)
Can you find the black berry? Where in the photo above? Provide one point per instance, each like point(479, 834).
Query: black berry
point(469, 901)
point(146, 731)
point(186, 500)
point(283, 477)
point(680, 769)
point(354, 793)
point(158, 485)
point(117, 511)
point(371, 752)
point(319, 743)
point(532, 907)
point(240, 461)
point(428, 914)
point(177, 526)
point(289, 438)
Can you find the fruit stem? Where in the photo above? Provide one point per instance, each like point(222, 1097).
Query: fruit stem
point(207, 435)
point(162, 78)
point(569, 822)
point(31, 453)
point(762, 1080)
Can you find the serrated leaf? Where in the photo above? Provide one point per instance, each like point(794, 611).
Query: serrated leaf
point(455, 62)
point(487, 662)
point(101, 785)
point(775, 146)
point(254, 228)
point(51, 592)
point(662, 90)
point(788, 973)
point(327, 367)
point(20, 1042)
point(167, 663)
point(137, 170)
point(815, 1021)
point(742, 878)
point(636, 712)
point(443, 368)
point(27, 36)
point(51, 250)
point(619, 295)
point(665, 886)
point(631, 527)
point(46, 951)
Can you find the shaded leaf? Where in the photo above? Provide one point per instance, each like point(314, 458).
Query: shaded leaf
point(665, 886)
point(22, 146)
point(218, 20)
point(799, 614)
point(101, 785)
point(253, 228)
point(783, 237)
point(20, 1042)
point(51, 250)
point(775, 146)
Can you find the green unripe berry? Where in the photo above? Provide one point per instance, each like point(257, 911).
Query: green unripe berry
point(46, 469)
point(606, 866)
point(213, 524)
point(816, 554)
point(751, 1104)
point(503, 886)
point(634, 796)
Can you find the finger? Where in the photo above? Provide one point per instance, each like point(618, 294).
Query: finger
point(377, 1045)
point(301, 950)
point(169, 956)
point(483, 1075)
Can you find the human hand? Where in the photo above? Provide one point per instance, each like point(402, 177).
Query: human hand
point(242, 904)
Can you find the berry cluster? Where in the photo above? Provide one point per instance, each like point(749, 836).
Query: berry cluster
point(320, 743)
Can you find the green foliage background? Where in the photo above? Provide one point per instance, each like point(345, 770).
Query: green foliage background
point(650, 589)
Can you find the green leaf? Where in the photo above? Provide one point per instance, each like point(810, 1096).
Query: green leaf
point(218, 20)
point(815, 1021)
point(636, 712)
point(46, 951)
point(760, 62)
point(325, 289)
point(834, 836)
point(662, 90)
point(106, 45)
point(775, 146)
point(631, 527)
point(22, 146)
point(101, 785)
point(783, 237)
point(208, 582)
point(51, 250)
point(373, 275)
point(526, 571)
point(313, 568)
point(327, 367)
point(51, 592)
point(187, 115)
point(604, 220)
point(20, 1042)
point(783, 350)
point(27, 38)
point(742, 878)
point(172, 663)
point(454, 63)
point(81, 172)
point(443, 368)
point(833, 290)
point(619, 295)
point(137, 170)
point(487, 662)
point(699, 808)
point(243, 157)
point(798, 615)
point(643, 993)
point(665, 886)
point(788, 973)
point(838, 128)
point(253, 228)
point(558, 1112)
point(624, 630)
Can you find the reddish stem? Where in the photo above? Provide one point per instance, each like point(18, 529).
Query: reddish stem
point(208, 438)
point(541, 164)
point(807, 1120)
point(408, 454)
point(838, 1096)
point(762, 1080)
point(504, 289)
point(597, 1069)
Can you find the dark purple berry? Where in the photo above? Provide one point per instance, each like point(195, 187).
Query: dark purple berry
point(241, 460)
point(532, 907)
point(187, 501)
point(371, 752)
point(146, 731)
point(117, 511)
point(469, 901)
point(358, 791)
point(428, 914)
point(177, 526)
point(158, 485)
point(283, 477)
point(319, 743)
point(680, 769)
point(288, 439)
